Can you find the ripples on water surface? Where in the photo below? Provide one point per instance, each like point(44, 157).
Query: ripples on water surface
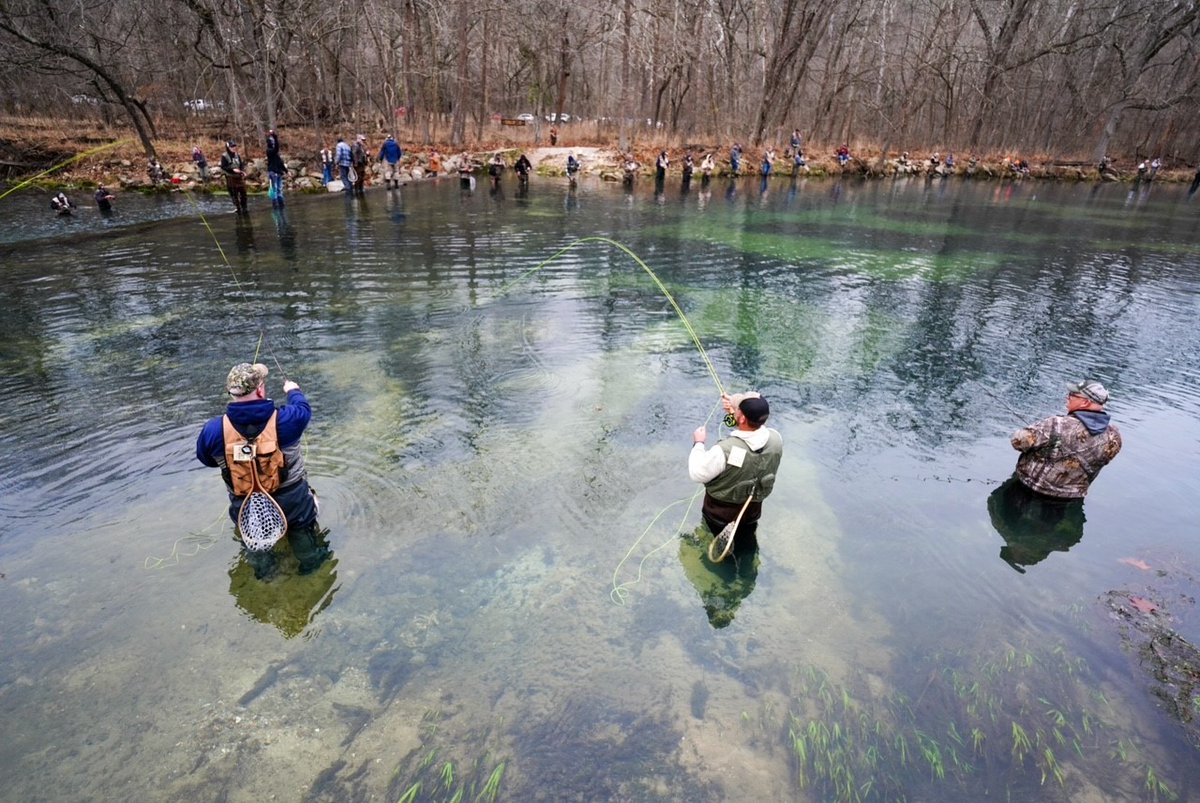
point(501, 457)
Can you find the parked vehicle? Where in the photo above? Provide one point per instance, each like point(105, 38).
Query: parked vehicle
point(203, 105)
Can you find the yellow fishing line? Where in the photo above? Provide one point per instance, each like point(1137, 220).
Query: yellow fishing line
point(620, 591)
point(216, 242)
point(233, 275)
point(61, 165)
point(198, 541)
point(678, 310)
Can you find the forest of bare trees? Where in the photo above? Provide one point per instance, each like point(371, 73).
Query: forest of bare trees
point(1060, 77)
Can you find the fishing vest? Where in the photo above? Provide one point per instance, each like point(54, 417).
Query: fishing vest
point(245, 455)
point(756, 474)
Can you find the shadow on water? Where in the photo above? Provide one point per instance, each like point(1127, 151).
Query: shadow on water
point(1033, 525)
point(723, 586)
point(289, 601)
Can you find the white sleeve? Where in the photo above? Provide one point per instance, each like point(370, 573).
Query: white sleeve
point(705, 464)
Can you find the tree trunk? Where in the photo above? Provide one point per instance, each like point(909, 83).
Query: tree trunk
point(564, 70)
point(459, 121)
point(624, 141)
point(999, 52)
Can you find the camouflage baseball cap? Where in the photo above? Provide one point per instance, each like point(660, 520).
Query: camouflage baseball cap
point(737, 398)
point(244, 378)
point(1089, 389)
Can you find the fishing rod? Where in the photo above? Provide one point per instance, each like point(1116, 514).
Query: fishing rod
point(654, 276)
point(233, 275)
point(91, 152)
point(619, 592)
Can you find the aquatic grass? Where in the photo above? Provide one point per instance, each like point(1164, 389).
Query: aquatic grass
point(1021, 745)
point(1016, 716)
point(977, 739)
point(423, 777)
point(793, 340)
point(1051, 765)
point(854, 221)
point(1121, 749)
point(492, 788)
point(1155, 786)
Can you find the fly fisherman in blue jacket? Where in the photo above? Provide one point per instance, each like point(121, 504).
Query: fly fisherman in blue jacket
point(252, 416)
point(389, 159)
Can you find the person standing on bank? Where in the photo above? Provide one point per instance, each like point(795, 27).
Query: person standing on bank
point(276, 169)
point(738, 466)
point(233, 168)
point(1061, 455)
point(358, 154)
point(252, 416)
point(201, 163)
point(344, 158)
point(389, 159)
point(326, 166)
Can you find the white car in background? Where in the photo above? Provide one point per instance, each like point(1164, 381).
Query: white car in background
point(203, 105)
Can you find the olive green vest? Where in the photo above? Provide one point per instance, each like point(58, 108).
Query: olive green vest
point(755, 475)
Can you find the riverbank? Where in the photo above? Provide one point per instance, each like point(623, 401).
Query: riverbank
point(48, 155)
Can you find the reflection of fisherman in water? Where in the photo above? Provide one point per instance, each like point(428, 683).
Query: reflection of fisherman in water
point(243, 234)
point(721, 586)
point(395, 207)
point(287, 234)
point(290, 601)
point(1033, 525)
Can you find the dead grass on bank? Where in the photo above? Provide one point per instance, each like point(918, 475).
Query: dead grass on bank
point(30, 144)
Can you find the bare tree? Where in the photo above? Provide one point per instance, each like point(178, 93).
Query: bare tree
point(65, 35)
point(1072, 75)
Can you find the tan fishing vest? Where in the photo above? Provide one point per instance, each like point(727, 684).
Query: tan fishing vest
point(244, 455)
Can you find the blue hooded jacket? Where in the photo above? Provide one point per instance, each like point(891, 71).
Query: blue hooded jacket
point(249, 418)
point(390, 151)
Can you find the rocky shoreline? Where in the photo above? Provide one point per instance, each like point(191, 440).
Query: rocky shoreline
point(305, 176)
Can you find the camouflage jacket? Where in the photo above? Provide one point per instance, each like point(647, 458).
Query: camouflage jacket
point(1061, 455)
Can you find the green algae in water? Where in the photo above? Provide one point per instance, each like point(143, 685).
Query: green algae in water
point(975, 726)
point(787, 340)
point(890, 264)
point(434, 772)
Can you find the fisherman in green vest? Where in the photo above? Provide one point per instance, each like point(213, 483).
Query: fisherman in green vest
point(739, 467)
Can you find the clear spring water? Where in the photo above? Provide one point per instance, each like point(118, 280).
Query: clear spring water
point(516, 604)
